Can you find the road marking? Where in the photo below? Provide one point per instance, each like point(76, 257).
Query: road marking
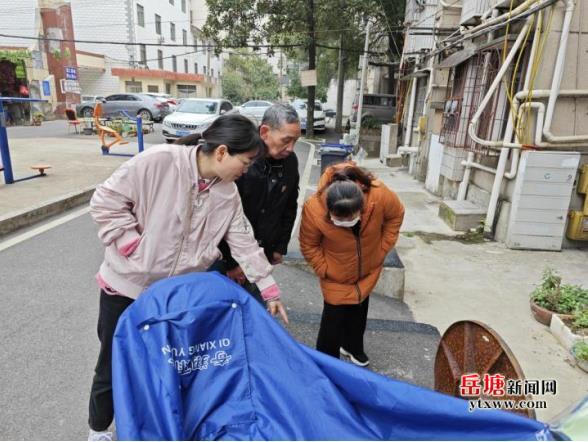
point(37, 231)
point(304, 182)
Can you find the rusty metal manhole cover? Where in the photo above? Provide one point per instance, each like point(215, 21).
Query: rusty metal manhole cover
point(469, 347)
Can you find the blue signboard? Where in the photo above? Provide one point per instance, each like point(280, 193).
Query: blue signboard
point(46, 88)
point(71, 73)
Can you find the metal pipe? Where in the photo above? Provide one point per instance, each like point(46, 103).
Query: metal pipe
point(505, 66)
point(463, 186)
point(557, 77)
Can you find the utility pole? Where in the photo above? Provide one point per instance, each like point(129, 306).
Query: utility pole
point(340, 76)
point(363, 76)
point(340, 87)
point(311, 67)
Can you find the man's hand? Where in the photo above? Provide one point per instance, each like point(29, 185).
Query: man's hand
point(276, 307)
point(237, 275)
point(277, 258)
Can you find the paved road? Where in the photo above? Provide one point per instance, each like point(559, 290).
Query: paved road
point(50, 307)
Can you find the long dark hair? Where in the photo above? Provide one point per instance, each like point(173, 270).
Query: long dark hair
point(352, 173)
point(235, 131)
point(344, 198)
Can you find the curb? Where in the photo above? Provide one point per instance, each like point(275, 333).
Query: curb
point(17, 220)
point(390, 284)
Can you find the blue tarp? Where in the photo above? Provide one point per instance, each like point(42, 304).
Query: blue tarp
point(196, 357)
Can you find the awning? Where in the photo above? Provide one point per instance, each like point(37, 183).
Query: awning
point(457, 58)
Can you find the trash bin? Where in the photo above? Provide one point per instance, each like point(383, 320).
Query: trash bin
point(332, 153)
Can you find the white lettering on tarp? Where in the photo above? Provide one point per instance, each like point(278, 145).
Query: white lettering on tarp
point(186, 360)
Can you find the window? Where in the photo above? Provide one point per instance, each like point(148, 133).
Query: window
point(168, 88)
point(131, 86)
point(195, 68)
point(140, 15)
point(171, 2)
point(153, 88)
point(212, 73)
point(185, 66)
point(157, 24)
point(184, 37)
point(195, 44)
point(183, 5)
point(160, 59)
point(174, 63)
point(143, 54)
point(186, 91)
point(172, 31)
point(204, 70)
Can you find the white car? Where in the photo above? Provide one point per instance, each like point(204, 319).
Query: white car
point(255, 108)
point(165, 98)
point(193, 115)
point(319, 115)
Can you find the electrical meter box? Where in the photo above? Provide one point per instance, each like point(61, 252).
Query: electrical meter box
point(541, 200)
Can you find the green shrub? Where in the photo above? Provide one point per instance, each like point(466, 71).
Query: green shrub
point(558, 297)
point(581, 320)
point(580, 350)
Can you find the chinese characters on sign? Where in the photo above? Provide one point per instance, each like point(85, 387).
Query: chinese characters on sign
point(497, 385)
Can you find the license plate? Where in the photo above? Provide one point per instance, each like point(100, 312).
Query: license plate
point(182, 133)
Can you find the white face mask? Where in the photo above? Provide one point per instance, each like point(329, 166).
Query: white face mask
point(350, 223)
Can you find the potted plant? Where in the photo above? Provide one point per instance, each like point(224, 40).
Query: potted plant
point(580, 352)
point(554, 297)
point(38, 118)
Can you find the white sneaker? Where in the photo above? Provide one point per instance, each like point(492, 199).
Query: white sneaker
point(362, 360)
point(100, 435)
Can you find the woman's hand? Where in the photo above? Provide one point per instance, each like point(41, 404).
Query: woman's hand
point(277, 308)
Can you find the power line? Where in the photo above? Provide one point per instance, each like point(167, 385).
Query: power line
point(173, 45)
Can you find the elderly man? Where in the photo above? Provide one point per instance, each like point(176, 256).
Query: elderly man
point(269, 191)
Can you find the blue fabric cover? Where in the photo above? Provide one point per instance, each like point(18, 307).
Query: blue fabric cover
point(197, 358)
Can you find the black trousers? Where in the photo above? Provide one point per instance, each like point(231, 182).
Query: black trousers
point(342, 326)
point(101, 404)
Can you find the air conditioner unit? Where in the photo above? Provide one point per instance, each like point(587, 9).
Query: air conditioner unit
point(472, 10)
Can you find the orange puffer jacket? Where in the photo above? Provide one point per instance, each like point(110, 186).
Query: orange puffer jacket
point(349, 266)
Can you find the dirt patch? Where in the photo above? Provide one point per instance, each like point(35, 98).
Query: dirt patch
point(473, 237)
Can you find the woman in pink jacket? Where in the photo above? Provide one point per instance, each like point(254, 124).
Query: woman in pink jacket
point(163, 213)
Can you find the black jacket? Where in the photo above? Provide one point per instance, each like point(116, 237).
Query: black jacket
point(269, 192)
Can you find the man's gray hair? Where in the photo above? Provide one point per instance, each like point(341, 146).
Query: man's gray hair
point(279, 114)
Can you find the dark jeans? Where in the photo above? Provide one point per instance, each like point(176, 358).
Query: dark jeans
point(101, 405)
point(252, 288)
point(342, 326)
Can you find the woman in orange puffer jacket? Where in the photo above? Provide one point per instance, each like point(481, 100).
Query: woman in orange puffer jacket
point(348, 227)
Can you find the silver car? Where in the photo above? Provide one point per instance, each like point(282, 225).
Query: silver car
point(255, 108)
point(149, 108)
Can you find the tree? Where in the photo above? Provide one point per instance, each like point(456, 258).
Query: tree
point(248, 77)
point(304, 28)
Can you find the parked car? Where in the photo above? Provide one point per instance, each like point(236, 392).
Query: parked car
point(255, 107)
point(192, 116)
point(165, 98)
point(319, 115)
point(381, 107)
point(133, 104)
point(91, 98)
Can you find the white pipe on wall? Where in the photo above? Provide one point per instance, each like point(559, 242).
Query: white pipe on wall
point(557, 77)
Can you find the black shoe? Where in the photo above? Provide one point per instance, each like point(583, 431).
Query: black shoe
point(360, 359)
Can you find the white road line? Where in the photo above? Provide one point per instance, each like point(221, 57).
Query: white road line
point(304, 183)
point(37, 231)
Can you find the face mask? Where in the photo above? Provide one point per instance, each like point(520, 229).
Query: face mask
point(350, 223)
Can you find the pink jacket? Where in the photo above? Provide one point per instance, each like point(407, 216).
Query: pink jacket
point(154, 199)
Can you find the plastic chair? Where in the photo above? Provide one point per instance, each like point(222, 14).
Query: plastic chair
point(104, 131)
point(72, 120)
